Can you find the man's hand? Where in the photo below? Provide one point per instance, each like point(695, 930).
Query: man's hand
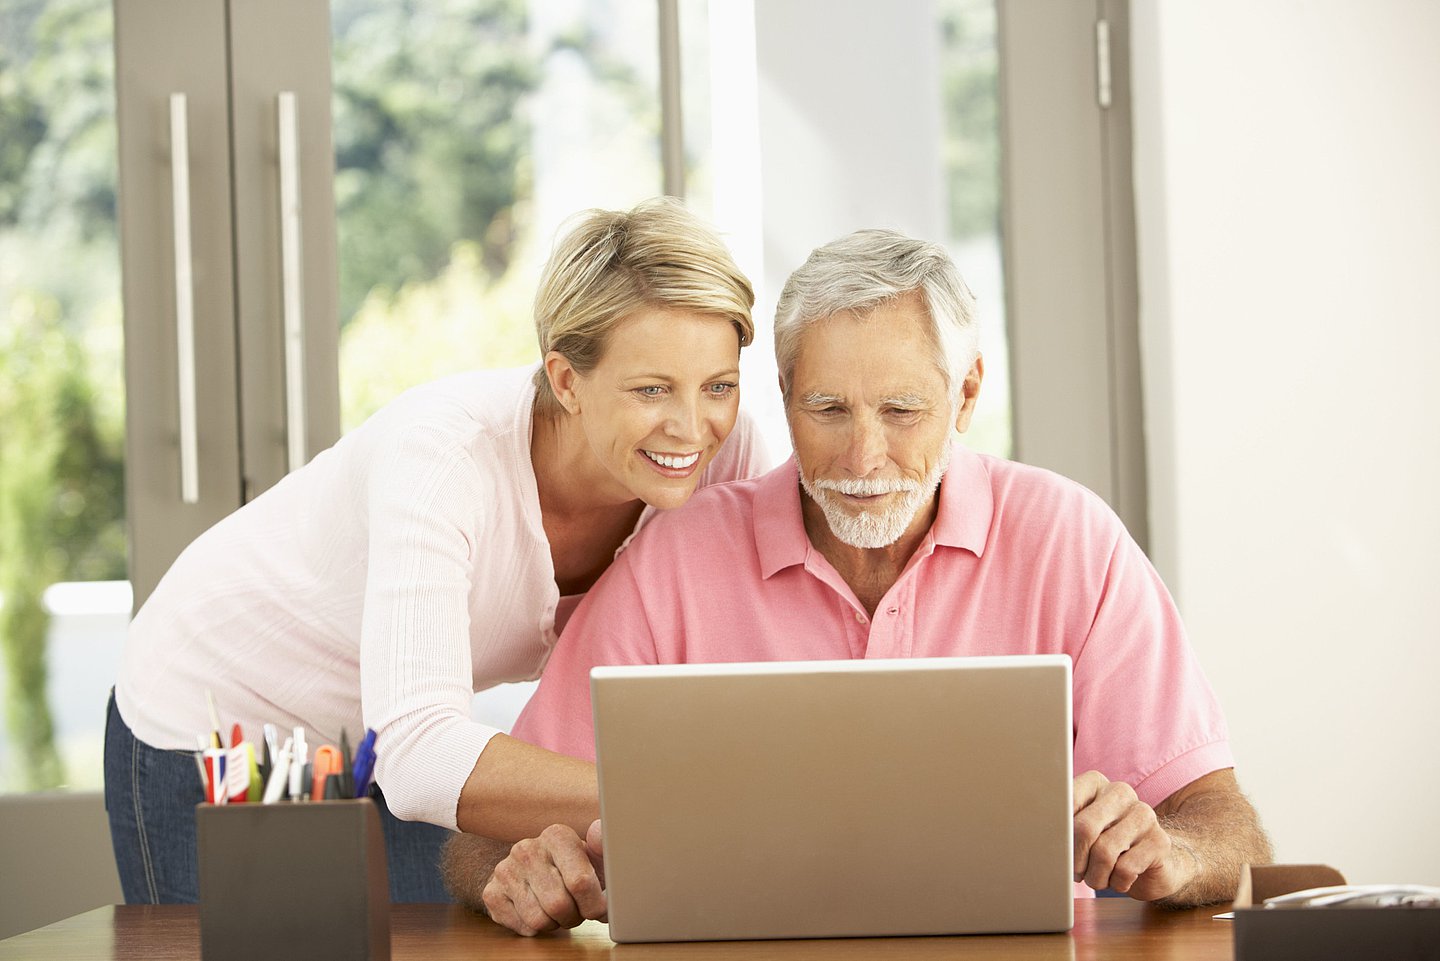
point(554, 881)
point(1119, 843)
point(1185, 852)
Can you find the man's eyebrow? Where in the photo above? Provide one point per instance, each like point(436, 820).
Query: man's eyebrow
point(816, 399)
point(905, 400)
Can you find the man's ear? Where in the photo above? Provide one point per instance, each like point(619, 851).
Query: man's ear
point(969, 392)
point(563, 376)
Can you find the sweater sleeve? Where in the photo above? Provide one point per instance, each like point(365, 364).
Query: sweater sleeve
point(426, 507)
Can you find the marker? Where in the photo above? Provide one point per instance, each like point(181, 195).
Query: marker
point(279, 775)
point(215, 791)
point(299, 757)
point(257, 783)
point(327, 761)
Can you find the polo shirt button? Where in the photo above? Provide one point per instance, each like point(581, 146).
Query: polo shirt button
point(860, 617)
point(893, 610)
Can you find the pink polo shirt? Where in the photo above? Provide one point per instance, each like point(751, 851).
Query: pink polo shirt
point(1018, 561)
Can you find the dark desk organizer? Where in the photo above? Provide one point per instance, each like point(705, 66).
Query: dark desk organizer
point(1335, 933)
point(293, 880)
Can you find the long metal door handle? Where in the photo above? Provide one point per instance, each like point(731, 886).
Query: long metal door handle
point(184, 300)
point(290, 282)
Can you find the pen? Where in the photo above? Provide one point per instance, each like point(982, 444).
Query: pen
point(214, 719)
point(364, 762)
point(200, 763)
point(346, 783)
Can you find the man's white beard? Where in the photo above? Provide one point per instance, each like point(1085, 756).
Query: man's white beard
point(881, 527)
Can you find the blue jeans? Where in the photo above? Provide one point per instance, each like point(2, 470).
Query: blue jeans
point(151, 795)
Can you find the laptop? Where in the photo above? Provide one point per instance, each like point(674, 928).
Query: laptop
point(830, 799)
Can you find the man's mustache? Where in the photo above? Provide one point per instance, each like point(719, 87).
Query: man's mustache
point(859, 487)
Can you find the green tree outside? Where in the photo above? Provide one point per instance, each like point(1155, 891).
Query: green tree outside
point(60, 492)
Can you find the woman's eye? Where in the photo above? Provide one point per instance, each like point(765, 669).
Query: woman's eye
point(722, 389)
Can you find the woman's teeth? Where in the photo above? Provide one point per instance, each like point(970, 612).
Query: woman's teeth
point(673, 461)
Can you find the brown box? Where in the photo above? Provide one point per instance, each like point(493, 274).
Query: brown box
point(306, 881)
point(1325, 934)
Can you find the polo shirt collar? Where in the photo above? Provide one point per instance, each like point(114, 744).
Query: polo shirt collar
point(779, 526)
point(967, 504)
point(963, 519)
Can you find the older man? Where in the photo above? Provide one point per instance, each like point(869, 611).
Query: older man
point(883, 537)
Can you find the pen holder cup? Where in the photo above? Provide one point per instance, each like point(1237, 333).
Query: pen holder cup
point(293, 880)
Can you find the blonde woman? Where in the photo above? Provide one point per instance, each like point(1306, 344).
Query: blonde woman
point(438, 550)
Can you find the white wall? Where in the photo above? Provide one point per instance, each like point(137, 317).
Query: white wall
point(1288, 185)
point(839, 151)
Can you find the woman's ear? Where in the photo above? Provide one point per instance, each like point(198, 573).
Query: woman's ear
point(563, 376)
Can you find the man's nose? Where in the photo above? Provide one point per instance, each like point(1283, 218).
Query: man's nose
point(868, 449)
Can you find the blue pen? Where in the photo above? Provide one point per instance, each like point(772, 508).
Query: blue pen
point(364, 762)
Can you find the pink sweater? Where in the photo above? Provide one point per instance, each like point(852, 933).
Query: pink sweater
point(379, 586)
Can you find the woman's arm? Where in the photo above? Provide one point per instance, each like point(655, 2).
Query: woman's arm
point(517, 790)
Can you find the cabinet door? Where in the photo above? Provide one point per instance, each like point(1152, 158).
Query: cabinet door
point(182, 451)
point(285, 272)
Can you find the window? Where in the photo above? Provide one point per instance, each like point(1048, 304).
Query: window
point(64, 601)
point(463, 133)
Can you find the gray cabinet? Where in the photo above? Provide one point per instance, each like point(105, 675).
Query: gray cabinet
point(227, 232)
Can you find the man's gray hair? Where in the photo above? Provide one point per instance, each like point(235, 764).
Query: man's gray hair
point(870, 268)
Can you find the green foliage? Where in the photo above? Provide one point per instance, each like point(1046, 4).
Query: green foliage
point(22, 128)
point(431, 136)
point(972, 124)
point(57, 119)
point(61, 397)
point(60, 483)
point(461, 320)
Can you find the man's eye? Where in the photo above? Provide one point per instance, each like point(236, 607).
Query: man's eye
point(653, 390)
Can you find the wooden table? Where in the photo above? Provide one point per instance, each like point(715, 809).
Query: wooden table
point(1108, 928)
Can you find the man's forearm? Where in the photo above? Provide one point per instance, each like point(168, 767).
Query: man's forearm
point(1220, 831)
point(467, 863)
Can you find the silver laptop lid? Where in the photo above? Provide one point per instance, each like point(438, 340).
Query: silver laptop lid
point(836, 798)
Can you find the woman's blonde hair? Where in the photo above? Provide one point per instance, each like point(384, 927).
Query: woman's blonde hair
point(610, 264)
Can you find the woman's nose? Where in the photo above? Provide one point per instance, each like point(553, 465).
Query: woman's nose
point(684, 422)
